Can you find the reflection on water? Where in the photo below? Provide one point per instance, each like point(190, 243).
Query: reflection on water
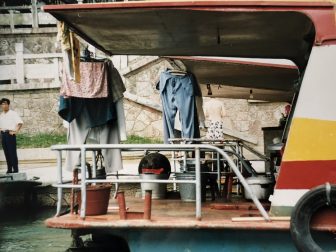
point(25, 231)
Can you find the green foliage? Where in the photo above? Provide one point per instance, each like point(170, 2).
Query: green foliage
point(45, 140)
point(133, 139)
point(41, 140)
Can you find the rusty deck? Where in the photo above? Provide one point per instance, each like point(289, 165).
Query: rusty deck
point(171, 214)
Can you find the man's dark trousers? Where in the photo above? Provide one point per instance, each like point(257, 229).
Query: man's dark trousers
point(9, 147)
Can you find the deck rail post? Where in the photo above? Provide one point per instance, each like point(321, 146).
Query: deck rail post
point(59, 181)
point(133, 147)
point(198, 184)
point(83, 183)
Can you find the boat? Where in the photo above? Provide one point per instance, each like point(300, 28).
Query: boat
point(13, 185)
point(301, 212)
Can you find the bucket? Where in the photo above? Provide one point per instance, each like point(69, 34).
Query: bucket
point(158, 189)
point(261, 186)
point(97, 199)
point(187, 191)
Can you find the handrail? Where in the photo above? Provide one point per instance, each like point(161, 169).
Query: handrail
point(133, 147)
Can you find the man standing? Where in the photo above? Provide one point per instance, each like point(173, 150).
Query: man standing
point(10, 124)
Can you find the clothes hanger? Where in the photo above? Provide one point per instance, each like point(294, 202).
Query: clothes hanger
point(176, 69)
point(177, 72)
point(88, 57)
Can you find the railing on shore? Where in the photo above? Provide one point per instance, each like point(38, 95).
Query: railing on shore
point(31, 16)
point(196, 148)
point(21, 72)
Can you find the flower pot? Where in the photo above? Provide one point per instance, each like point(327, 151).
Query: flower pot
point(97, 199)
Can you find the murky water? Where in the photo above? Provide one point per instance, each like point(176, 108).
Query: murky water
point(22, 230)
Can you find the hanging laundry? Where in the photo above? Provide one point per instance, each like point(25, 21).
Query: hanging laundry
point(93, 82)
point(117, 86)
point(70, 49)
point(79, 133)
point(177, 93)
point(215, 113)
point(75, 57)
point(97, 111)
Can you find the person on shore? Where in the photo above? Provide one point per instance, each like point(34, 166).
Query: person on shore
point(10, 124)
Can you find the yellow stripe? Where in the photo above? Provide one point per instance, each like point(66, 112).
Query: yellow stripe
point(311, 139)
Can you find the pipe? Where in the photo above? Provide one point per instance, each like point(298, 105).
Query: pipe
point(148, 205)
point(122, 205)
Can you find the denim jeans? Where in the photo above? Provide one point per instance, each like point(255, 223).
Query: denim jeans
point(177, 94)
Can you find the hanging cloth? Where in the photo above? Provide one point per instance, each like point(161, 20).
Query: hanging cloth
point(93, 82)
point(70, 49)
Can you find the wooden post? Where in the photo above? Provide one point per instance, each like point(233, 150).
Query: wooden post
point(19, 63)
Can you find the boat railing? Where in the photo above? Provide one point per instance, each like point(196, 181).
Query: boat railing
point(196, 148)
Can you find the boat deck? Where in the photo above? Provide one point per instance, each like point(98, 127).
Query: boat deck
point(181, 215)
point(173, 214)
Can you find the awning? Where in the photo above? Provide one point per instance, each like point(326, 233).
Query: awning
point(205, 28)
point(238, 78)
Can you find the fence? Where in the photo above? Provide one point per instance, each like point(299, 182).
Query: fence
point(20, 72)
point(25, 17)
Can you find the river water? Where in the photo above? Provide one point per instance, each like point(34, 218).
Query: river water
point(22, 230)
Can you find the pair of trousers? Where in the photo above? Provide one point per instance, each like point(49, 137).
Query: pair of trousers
point(9, 147)
point(78, 133)
point(177, 96)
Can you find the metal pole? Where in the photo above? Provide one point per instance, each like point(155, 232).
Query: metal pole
point(83, 184)
point(245, 185)
point(198, 184)
point(59, 180)
point(218, 171)
point(94, 165)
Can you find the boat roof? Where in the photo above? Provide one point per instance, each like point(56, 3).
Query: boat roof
point(235, 78)
point(248, 29)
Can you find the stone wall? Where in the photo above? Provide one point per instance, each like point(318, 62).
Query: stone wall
point(38, 109)
point(142, 120)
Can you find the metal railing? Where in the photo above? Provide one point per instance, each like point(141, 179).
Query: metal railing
point(25, 16)
point(197, 148)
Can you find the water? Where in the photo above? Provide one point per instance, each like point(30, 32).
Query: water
point(22, 230)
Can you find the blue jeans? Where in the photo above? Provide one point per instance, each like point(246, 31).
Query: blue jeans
point(178, 95)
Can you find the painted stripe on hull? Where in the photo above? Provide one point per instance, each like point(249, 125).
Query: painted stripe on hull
point(317, 93)
point(287, 197)
point(311, 139)
point(306, 174)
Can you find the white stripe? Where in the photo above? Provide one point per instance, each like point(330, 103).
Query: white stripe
point(317, 98)
point(286, 197)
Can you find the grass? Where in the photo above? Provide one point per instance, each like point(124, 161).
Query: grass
point(133, 139)
point(41, 140)
point(45, 140)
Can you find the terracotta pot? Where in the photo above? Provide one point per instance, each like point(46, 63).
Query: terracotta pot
point(97, 199)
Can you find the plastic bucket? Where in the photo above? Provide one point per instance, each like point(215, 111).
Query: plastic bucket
point(187, 191)
point(260, 186)
point(158, 189)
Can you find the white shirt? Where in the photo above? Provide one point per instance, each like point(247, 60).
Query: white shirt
point(214, 110)
point(9, 120)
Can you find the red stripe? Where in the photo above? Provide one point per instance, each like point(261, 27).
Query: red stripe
point(306, 174)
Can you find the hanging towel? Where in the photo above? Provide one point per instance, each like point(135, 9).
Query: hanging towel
point(93, 82)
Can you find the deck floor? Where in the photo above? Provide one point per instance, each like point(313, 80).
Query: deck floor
point(171, 214)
